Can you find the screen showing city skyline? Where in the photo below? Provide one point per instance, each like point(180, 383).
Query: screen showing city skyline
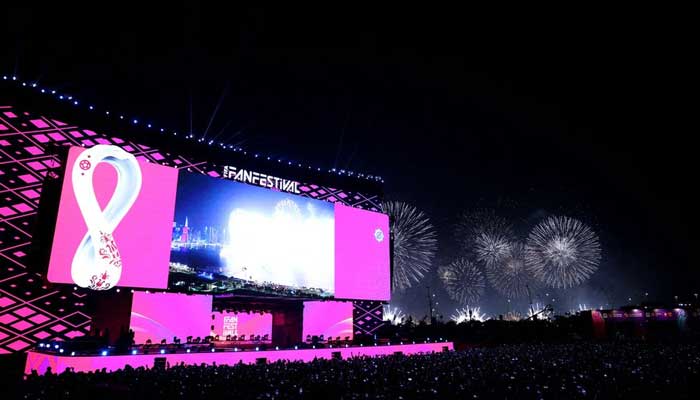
point(232, 237)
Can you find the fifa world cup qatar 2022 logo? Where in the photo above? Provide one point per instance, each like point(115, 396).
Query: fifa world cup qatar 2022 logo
point(97, 263)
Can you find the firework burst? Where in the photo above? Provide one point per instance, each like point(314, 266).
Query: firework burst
point(513, 316)
point(484, 234)
point(393, 315)
point(509, 274)
point(538, 311)
point(468, 314)
point(562, 252)
point(490, 248)
point(414, 242)
point(463, 280)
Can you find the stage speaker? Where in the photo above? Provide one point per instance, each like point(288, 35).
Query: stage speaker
point(159, 363)
point(261, 361)
point(336, 355)
point(445, 349)
point(398, 353)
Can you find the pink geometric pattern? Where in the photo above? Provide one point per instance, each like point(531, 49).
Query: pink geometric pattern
point(42, 335)
point(30, 308)
point(368, 316)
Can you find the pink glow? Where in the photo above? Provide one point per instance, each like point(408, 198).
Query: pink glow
point(361, 254)
point(143, 236)
point(158, 316)
point(328, 318)
point(242, 324)
point(39, 361)
point(39, 123)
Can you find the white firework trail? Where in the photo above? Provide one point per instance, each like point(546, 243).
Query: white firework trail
point(490, 248)
point(393, 315)
point(468, 314)
point(414, 243)
point(484, 234)
point(463, 281)
point(562, 252)
point(510, 276)
point(513, 316)
point(538, 311)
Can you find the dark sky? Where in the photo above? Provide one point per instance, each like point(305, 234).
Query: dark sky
point(578, 114)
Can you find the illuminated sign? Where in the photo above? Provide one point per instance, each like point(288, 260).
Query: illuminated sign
point(230, 325)
point(259, 179)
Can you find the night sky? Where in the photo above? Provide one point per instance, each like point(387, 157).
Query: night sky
point(457, 109)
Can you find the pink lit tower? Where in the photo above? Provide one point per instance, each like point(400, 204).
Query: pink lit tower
point(185, 232)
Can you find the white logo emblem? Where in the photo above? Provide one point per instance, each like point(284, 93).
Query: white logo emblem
point(97, 263)
point(379, 235)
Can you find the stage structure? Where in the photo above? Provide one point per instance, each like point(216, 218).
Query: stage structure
point(109, 223)
point(41, 362)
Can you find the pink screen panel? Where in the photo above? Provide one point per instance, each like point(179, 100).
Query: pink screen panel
point(362, 269)
point(328, 318)
point(142, 236)
point(228, 323)
point(158, 316)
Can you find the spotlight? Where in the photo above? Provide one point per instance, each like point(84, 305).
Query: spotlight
point(60, 350)
point(257, 349)
point(212, 350)
point(104, 352)
point(133, 352)
point(162, 351)
point(72, 353)
point(188, 350)
point(55, 346)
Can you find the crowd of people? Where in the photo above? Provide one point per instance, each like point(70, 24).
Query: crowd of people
point(524, 371)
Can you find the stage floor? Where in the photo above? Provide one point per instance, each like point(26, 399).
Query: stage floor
point(58, 363)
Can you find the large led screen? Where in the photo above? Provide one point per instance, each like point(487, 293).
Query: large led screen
point(125, 222)
point(231, 236)
point(158, 316)
point(242, 323)
point(332, 319)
